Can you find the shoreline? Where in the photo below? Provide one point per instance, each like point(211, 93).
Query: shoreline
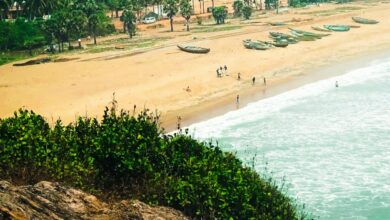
point(157, 79)
point(215, 108)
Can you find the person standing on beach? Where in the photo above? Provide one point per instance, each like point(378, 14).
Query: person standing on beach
point(238, 100)
point(225, 67)
point(178, 122)
point(221, 69)
point(337, 84)
point(239, 76)
point(265, 81)
point(218, 75)
point(253, 80)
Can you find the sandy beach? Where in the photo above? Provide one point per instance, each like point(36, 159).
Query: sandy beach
point(156, 77)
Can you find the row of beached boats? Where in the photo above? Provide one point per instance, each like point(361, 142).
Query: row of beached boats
point(283, 40)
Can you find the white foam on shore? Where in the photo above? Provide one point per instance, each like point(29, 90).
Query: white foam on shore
point(259, 109)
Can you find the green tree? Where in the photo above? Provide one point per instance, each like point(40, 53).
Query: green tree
point(171, 8)
point(247, 11)
point(4, 7)
point(185, 11)
point(91, 10)
point(129, 20)
point(220, 14)
point(237, 7)
point(114, 6)
point(77, 23)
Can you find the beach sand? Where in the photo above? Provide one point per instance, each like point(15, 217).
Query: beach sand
point(156, 78)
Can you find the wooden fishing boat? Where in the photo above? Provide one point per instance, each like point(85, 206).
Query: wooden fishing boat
point(361, 20)
point(280, 43)
point(255, 45)
point(194, 49)
point(277, 36)
point(307, 33)
point(320, 29)
point(337, 28)
point(277, 23)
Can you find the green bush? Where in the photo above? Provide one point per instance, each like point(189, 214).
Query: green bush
point(220, 14)
point(127, 156)
point(237, 6)
point(247, 12)
point(20, 34)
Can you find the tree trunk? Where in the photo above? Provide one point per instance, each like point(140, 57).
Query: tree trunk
point(200, 7)
point(112, 14)
point(94, 38)
point(203, 5)
point(212, 3)
point(171, 21)
point(116, 13)
point(193, 6)
point(188, 24)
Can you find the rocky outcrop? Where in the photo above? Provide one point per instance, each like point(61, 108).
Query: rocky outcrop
point(47, 200)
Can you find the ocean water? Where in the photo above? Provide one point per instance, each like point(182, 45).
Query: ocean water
point(331, 144)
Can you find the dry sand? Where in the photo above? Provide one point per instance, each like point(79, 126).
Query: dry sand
point(157, 77)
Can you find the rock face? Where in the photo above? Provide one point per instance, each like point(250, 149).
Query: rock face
point(47, 200)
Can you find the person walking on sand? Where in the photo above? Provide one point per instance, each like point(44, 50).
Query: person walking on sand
point(253, 80)
point(221, 69)
point(178, 122)
point(239, 76)
point(265, 81)
point(238, 100)
point(218, 74)
point(336, 84)
point(225, 67)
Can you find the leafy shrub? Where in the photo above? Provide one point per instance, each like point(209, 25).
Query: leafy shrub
point(199, 20)
point(129, 156)
point(247, 12)
point(237, 6)
point(220, 14)
point(20, 34)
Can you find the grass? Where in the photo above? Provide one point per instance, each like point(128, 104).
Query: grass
point(333, 11)
point(127, 43)
point(12, 56)
point(209, 29)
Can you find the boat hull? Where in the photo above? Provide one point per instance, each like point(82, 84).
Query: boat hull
point(191, 49)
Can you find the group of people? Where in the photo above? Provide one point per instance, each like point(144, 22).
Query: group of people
point(222, 70)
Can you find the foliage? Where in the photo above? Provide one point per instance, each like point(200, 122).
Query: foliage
point(21, 34)
point(237, 6)
point(247, 11)
point(170, 8)
point(185, 11)
point(129, 156)
point(220, 14)
point(303, 3)
point(199, 20)
point(129, 20)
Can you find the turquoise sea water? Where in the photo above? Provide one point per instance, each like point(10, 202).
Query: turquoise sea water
point(331, 144)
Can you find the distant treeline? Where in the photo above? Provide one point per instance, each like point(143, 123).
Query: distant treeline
point(126, 156)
